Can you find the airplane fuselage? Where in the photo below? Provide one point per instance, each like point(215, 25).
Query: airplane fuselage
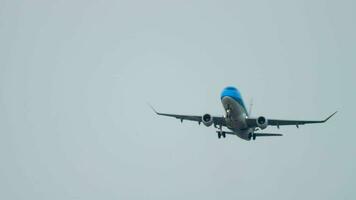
point(236, 113)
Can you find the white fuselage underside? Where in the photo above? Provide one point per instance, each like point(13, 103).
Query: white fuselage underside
point(236, 119)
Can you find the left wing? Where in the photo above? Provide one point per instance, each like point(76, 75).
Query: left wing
point(251, 122)
point(217, 121)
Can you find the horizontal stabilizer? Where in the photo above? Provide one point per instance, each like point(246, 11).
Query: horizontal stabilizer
point(267, 134)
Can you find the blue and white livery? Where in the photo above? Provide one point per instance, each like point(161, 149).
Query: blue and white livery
point(237, 119)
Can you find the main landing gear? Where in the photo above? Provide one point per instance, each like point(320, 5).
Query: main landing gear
point(221, 133)
point(251, 135)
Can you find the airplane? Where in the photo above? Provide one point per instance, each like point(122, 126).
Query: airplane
point(238, 120)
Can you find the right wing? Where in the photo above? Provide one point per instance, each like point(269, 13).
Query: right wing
point(281, 122)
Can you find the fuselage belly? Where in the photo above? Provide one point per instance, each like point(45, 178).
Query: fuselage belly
point(235, 113)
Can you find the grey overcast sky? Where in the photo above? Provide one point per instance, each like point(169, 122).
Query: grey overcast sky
point(75, 77)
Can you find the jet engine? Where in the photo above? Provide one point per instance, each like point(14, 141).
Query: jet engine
point(262, 122)
point(207, 120)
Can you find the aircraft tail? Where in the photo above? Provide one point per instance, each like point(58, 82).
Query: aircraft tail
point(250, 107)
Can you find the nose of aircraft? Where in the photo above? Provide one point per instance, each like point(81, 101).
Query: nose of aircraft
point(231, 92)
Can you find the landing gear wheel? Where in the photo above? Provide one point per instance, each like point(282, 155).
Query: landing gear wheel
point(219, 135)
point(224, 135)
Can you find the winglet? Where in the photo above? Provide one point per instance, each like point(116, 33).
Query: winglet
point(330, 116)
point(154, 110)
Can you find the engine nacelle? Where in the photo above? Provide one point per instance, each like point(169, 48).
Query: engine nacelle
point(207, 120)
point(262, 122)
